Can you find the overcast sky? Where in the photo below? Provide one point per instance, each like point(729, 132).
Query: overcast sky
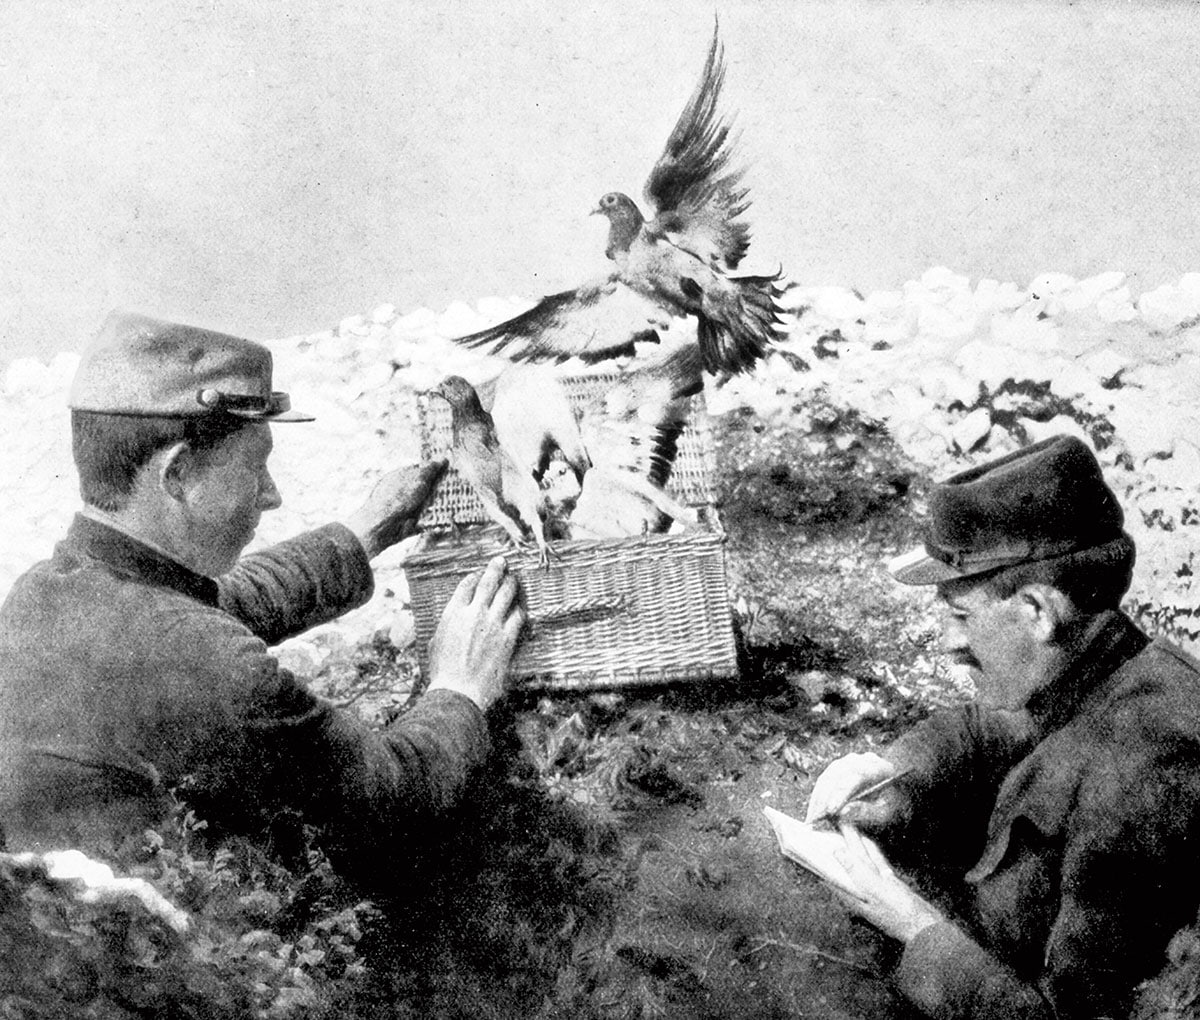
point(268, 168)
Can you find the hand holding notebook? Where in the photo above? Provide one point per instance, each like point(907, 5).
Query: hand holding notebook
point(854, 867)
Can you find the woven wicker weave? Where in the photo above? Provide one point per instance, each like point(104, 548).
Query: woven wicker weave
point(611, 613)
point(456, 503)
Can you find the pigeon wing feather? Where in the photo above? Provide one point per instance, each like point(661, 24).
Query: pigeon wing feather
point(698, 198)
point(593, 322)
point(635, 427)
point(532, 413)
point(632, 433)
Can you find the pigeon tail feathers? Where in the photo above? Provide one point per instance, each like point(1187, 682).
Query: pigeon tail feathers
point(663, 453)
point(735, 342)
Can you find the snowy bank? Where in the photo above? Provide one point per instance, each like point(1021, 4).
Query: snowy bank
point(958, 371)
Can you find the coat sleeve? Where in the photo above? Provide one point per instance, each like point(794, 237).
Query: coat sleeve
point(1129, 879)
point(376, 795)
point(1127, 883)
point(301, 583)
point(947, 975)
point(243, 739)
point(958, 760)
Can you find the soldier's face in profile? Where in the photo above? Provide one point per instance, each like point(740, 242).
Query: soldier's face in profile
point(993, 639)
point(231, 489)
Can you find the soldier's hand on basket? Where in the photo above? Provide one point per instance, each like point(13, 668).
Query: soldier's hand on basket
point(394, 506)
point(477, 635)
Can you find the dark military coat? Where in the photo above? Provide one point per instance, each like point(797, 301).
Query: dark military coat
point(1067, 834)
point(124, 676)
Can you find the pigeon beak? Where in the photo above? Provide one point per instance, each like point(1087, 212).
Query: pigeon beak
point(596, 212)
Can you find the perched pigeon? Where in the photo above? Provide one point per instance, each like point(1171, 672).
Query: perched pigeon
point(533, 418)
point(674, 265)
point(632, 435)
point(508, 492)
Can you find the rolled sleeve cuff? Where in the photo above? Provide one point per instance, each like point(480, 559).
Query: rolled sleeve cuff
point(454, 723)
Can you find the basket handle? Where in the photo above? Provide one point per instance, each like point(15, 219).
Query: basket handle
point(579, 611)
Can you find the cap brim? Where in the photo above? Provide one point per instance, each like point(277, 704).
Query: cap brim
point(917, 567)
point(269, 418)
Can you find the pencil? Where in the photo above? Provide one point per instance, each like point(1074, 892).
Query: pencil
point(870, 791)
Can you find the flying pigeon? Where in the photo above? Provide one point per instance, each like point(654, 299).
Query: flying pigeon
point(676, 264)
point(508, 492)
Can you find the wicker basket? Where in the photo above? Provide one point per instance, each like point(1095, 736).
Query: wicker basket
point(611, 613)
point(607, 613)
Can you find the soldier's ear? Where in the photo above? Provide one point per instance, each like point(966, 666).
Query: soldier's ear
point(1047, 611)
point(174, 464)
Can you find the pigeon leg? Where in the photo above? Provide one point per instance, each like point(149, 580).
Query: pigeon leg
point(544, 550)
point(526, 497)
point(515, 535)
point(497, 513)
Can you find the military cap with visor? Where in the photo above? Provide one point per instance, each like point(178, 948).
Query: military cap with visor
point(1046, 500)
point(145, 367)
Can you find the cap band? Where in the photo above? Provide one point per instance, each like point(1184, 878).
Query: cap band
point(1006, 555)
point(246, 405)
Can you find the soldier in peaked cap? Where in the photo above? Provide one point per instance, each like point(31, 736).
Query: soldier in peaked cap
point(135, 665)
point(1052, 824)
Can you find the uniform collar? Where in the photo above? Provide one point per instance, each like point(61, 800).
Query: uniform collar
point(1042, 787)
point(128, 556)
point(1111, 640)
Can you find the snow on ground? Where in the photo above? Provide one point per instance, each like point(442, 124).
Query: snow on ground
point(959, 372)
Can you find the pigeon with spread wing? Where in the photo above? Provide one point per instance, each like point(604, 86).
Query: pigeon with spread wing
point(676, 264)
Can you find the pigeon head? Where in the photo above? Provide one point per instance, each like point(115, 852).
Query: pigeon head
point(624, 221)
point(459, 394)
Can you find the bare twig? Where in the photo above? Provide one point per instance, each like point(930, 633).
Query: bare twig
point(808, 950)
point(703, 970)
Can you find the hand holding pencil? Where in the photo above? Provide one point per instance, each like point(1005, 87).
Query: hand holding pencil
point(850, 789)
point(832, 817)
